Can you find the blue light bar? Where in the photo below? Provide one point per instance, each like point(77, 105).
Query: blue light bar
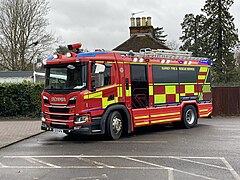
point(205, 61)
point(50, 58)
point(90, 54)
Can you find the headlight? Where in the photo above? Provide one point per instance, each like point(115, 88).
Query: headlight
point(80, 119)
point(73, 98)
point(45, 97)
point(45, 100)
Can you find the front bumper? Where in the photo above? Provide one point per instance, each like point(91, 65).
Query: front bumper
point(87, 129)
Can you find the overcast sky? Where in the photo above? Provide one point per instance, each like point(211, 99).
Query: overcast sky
point(105, 23)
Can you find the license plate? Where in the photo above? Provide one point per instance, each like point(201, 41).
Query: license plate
point(58, 130)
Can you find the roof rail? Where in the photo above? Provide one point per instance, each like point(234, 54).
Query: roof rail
point(161, 53)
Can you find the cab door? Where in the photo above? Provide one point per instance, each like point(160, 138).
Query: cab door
point(140, 93)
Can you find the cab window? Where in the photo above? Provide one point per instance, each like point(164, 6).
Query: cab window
point(101, 75)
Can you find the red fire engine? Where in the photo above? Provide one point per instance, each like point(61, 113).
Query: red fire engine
point(113, 93)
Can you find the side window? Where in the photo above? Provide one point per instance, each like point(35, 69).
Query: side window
point(101, 75)
point(165, 74)
point(188, 74)
point(139, 73)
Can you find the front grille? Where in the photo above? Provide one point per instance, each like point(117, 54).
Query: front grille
point(58, 110)
point(62, 117)
point(60, 126)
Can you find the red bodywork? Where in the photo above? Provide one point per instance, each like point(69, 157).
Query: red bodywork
point(94, 105)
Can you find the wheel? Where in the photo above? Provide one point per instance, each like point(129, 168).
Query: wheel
point(114, 125)
point(189, 116)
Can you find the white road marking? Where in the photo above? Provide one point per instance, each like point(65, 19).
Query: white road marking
point(42, 162)
point(100, 165)
point(167, 168)
point(95, 162)
point(197, 162)
point(2, 166)
point(110, 156)
point(135, 142)
point(170, 174)
point(104, 176)
point(234, 173)
point(145, 162)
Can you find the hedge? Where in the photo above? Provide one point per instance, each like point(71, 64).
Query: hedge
point(20, 99)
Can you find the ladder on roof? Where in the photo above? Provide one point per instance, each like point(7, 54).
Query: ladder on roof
point(161, 53)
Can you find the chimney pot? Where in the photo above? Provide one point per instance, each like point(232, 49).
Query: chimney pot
point(149, 21)
point(132, 19)
point(144, 23)
point(138, 21)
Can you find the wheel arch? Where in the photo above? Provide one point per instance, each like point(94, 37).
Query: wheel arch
point(123, 111)
point(193, 103)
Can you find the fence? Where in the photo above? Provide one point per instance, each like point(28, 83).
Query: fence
point(226, 101)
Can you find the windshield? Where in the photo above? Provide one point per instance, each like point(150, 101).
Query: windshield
point(68, 77)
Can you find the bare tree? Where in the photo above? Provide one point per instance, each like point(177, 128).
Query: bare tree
point(23, 34)
point(173, 44)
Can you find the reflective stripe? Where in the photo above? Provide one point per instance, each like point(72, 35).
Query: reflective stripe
point(203, 110)
point(119, 91)
point(167, 114)
point(141, 117)
point(141, 123)
point(128, 92)
point(167, 120)
point(105, 101)
point(93, 95)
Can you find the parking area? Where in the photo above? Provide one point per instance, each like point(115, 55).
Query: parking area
point(166, 167)
point(209, 151)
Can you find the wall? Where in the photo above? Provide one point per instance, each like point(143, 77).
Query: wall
point(226, 101)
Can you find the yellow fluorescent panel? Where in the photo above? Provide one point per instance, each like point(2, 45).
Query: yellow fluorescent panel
point(150, 90)
point(206, 88)
point(189, 89)
point(170, 89)
point(161, 98)
point(203, 69)
point(201, 77)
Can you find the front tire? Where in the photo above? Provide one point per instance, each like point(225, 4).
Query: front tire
point(114, 125)
point(189, 116)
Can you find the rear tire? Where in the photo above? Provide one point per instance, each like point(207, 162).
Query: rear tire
point(189, 116)
point(114, 125)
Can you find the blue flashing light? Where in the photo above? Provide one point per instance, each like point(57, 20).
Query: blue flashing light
point(50, 58)
point(181, 62)
point(205, 61)
point(90, 54)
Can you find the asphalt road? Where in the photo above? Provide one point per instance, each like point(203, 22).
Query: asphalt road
point(209, 151)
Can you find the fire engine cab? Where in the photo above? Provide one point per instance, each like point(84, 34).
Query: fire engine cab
point(113, 93)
